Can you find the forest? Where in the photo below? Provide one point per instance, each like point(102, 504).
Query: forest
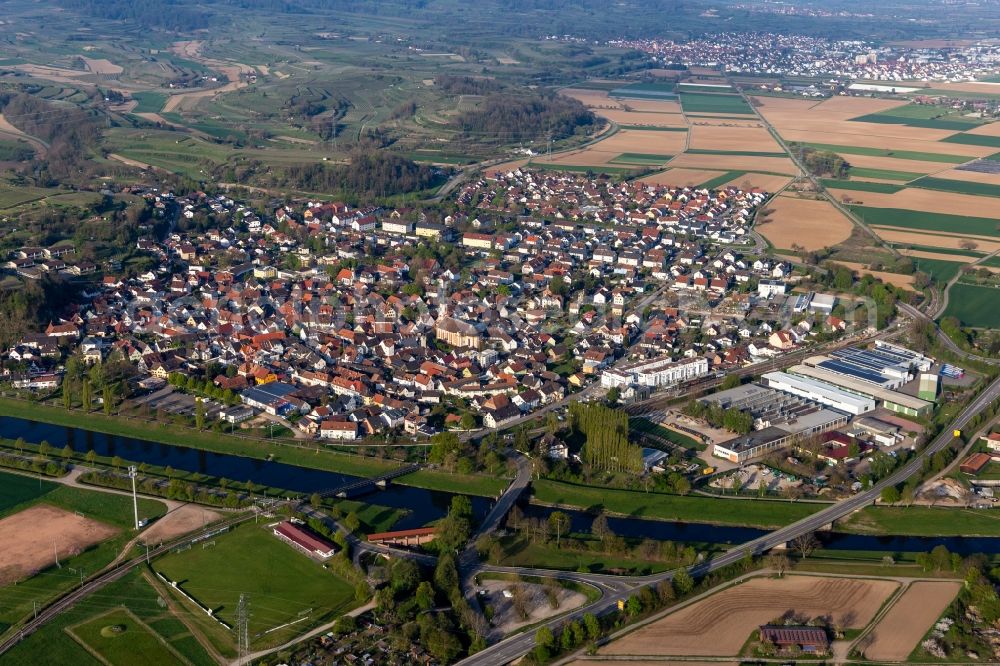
point(369, 174)
point(72, 133)
point(531, 117)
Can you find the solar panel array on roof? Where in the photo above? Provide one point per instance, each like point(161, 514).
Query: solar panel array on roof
point(854, 370)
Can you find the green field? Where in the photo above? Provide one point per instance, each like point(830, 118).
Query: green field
point(653, 128)
point(974, 140)
point(641, 159)
point(744, 153)
point(463, 484)
point(714, 103)
point(916, 115)
point(941, 270)
point(861, 185)
point(149, 102)
point(959, 186)
point(16, 489)
point(53, 645)
point(721, 178)
point(923, 521)
point(941, 250)
point(280, 580)
point(883, 152)
point(885, 174)
point(915, 219)
point(133, 642)
point(974, 306)
point(661, 506)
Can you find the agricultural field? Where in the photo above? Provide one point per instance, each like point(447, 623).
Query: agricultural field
point(959, 186)
point(908, 620)
point(282, 583)
point(918, 217)
point(621, 144)
point(861, 186)
point(761, 181)
point(811, 223)
point(704, 102)
point(695, 630)
point(772, 165)
point(752, 141)
point(974, 306)
point(680, 177)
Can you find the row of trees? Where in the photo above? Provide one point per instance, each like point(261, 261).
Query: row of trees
point(606, 445)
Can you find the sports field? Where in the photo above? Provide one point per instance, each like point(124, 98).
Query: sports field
point(133, 597)
point(281, 582)
point(122, 639)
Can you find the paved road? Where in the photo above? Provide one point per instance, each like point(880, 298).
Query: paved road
point(515, 646)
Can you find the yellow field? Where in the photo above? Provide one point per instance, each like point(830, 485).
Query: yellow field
point(895, 279)
point(591, 98)
point(623, 117)
point(940, 239)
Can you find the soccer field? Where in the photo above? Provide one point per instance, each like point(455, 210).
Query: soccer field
point(281, 583)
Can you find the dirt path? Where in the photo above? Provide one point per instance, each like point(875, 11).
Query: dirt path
point(234, 71)
point(171, 603)
point(41, 148)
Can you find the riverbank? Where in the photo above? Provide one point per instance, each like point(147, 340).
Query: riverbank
point(313, 456)
point(764, 514)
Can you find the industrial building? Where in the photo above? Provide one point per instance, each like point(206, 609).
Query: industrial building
point(822, 392)
point(887, 365)
point(655, 373)
point(894, 401)
point(755, 444)
point(780, 418)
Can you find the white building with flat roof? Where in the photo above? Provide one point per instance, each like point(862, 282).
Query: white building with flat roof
point(655, 373)
point(821, 392)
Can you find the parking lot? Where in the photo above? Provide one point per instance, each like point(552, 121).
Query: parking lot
point(172, 401)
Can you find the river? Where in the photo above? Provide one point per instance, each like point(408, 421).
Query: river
point(423, 506)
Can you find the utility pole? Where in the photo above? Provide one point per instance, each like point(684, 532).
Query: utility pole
point(132, 471)
point(243, 629)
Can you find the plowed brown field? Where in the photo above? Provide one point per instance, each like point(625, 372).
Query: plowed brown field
point(719, 625)
point(908, 620)
point(813, 224)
